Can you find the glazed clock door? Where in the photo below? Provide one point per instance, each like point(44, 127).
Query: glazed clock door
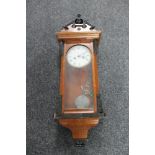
point(78, 80)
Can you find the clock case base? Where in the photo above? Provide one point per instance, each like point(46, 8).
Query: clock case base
point(79, 127)
point(79, 124)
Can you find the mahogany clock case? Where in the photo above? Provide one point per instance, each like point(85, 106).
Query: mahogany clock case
point(79, 86)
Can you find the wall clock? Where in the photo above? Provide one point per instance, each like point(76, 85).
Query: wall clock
point(79, 105)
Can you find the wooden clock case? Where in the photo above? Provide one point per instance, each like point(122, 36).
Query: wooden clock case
point(78, 32)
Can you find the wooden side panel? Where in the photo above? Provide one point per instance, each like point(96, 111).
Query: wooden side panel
point(61, 75)
point(96, 74)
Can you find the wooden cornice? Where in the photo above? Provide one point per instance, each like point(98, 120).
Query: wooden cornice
point(62, 35)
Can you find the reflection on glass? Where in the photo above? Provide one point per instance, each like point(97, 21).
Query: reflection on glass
point(78, 87)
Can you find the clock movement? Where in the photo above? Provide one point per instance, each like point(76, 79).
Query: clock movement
point(79, 106)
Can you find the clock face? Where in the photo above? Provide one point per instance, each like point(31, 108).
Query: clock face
point(78, 56)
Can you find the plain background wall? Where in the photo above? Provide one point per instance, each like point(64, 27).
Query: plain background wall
point(44, 19)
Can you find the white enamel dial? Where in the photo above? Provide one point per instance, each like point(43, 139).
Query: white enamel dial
point(78, 56)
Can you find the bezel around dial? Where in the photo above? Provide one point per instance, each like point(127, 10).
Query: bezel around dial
point(78, 56)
